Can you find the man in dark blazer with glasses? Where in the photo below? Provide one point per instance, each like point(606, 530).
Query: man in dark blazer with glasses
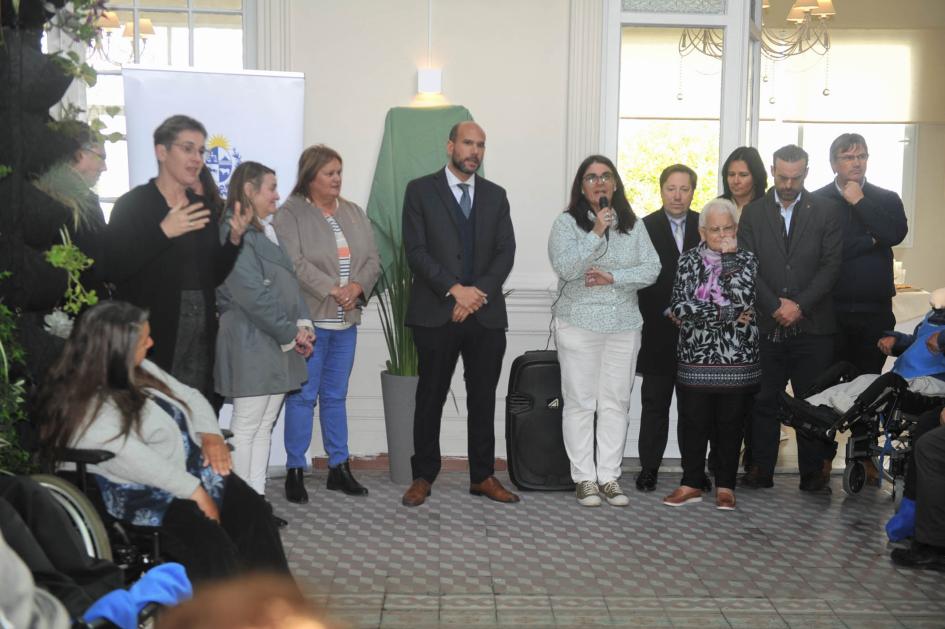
point(460, 245)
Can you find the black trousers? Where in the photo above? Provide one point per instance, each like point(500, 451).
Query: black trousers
point(930, 489)
point(928, 422)
point(656, 396)
point(857, 334)
point(245, 538)
point(39, 531)
point(438, 349)
point(798, 359)
point(716, 415)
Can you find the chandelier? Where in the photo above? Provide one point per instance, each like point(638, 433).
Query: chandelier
point(808, 34)
point(108, 25)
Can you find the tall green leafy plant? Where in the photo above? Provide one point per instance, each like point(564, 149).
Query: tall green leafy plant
point(393, 295)
point(13, 458)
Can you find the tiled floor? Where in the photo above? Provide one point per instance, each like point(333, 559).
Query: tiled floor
point(782, 559)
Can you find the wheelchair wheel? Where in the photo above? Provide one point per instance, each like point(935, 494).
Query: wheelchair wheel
point(854, 477)
point(88, 524)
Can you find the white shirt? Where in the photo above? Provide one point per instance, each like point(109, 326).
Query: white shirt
point(453, 181)
point(786, 212)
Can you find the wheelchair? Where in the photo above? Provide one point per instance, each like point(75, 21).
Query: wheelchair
point(887, 409)
point(133, 549)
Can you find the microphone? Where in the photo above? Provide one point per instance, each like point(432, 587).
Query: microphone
point(603, 203)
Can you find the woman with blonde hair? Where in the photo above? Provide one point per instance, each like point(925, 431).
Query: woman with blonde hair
point(331, 244)
point(265, 329)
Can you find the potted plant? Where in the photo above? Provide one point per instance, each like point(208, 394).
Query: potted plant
point(399, 380)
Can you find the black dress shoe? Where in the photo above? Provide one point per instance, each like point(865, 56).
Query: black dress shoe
point(340, 478)
point(646, 480)
point(920, 555)
point(756, 479)
point(295, 486)
point(815, 483)
point(279, 522)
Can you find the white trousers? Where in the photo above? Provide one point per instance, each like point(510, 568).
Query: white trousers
point(596, 375)
point(841, 396)
point(253, 419)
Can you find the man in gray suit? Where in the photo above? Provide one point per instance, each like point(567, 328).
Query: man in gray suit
point(799, 244)
point(460, 246)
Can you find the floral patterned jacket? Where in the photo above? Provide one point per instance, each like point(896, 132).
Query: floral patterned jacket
point(716, 351)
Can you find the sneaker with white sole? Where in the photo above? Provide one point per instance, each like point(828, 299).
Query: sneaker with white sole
point(587, 494)
point(613, 494)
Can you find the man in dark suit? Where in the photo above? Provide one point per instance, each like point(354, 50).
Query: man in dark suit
point(460, 246)
point(798, 242)
point(873, 222)
point(673, 229)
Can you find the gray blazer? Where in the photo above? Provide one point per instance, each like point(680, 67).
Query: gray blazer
point(803, 270)
point(310, 244)
point(260, 304)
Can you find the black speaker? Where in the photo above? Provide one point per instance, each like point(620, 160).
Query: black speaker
point(533, 440)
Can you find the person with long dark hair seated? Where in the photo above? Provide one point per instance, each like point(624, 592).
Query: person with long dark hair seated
point(172, 468)
point(602, 257)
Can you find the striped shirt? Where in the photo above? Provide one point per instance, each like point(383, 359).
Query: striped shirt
point(344, 274)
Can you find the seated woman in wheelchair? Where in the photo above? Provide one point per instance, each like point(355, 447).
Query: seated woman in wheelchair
point(920, 368)
point(172, 468)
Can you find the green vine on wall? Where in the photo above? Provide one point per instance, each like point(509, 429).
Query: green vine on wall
point(70, 258)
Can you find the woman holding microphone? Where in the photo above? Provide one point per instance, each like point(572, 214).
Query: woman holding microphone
point(601, 258)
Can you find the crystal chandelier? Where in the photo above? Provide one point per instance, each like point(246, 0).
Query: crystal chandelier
point(808, 34)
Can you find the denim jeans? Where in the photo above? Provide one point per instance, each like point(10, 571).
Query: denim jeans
point(329, 368)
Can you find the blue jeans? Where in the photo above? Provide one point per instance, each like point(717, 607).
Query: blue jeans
point(329, 368)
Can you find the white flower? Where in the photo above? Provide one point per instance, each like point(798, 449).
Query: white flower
point(58, 323)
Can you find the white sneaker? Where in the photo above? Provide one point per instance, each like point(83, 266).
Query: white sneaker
point(587, 494)
point(613, 494)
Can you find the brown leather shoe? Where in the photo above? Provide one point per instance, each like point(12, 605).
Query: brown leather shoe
point(417, 493)
point(492, 489)
point(725, 500)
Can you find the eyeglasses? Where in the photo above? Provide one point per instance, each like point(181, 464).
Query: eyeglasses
point(593, 178)
point(861, 157)
point(190, 148)
point(724, 229)
point(101, 155)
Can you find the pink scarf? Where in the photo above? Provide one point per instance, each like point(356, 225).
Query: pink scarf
point(711, 290)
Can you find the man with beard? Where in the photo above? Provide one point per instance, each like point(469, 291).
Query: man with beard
point(459, 242)
point(798, 243)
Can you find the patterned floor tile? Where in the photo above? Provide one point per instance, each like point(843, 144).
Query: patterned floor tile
point(525, 618)
point(642, 619)
point(782, 559)
point(751, 620)
point(813, 621)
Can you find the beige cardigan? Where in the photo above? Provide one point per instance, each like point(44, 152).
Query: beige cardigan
point(308, 239)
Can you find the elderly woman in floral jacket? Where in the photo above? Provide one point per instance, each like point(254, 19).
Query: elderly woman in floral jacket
point(713, 297)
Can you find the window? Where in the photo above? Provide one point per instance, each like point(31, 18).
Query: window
point(669, 113)
point(891, 148)
point(181, 33)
